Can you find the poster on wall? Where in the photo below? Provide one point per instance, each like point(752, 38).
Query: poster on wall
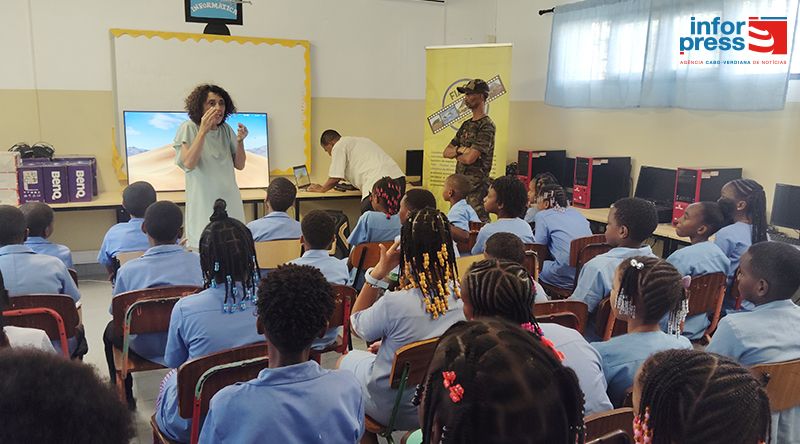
point(448, 67)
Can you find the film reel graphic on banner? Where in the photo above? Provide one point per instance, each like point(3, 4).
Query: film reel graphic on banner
point(453, 113)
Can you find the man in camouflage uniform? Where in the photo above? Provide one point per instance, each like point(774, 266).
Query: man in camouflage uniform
point(473, 145)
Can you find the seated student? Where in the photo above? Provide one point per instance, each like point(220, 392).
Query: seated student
point(415, 199)
point(49, 399)
point(456, 187)
point(699, 222)
point(39, 217)
point(508, 247)
point(218, 318)
point(645, 289)
point(688, 396)
point(768, 277)
point(557, 225)
point(276, 224)
point(128, 236)
point(17, 337)
point(423, 307)
point(538, 180)
point(381, 224)
point(294, 400)
point(630, 222)
point(503, 289)
point(507, 199)
point(319, 233)
point(164, 263)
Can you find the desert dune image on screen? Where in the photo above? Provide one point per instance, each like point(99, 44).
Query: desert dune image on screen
point(149, 136)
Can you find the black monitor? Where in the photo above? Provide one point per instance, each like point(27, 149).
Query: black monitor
point(656, 185)
point(414, 163)
point(785, 208)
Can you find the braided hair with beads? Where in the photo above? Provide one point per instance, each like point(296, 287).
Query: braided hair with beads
point(388, 193)
point(491, 382)
point(652, 287)
point(228, 257)
point(753, 194)
point(554, 194)
point(693, 397)
point(427, 259)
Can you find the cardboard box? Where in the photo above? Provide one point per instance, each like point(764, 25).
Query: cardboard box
point(79, 180)
point(63, 179)
point(31, 183)
point(56, 188)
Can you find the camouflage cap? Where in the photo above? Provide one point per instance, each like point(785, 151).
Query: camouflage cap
point(475, 86)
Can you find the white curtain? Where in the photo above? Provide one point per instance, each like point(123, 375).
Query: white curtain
point(626, 53)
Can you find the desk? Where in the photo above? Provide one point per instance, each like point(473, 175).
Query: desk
point(664, 232)
point(330, 195)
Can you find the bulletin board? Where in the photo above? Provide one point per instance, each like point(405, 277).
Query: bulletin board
point(155, 71)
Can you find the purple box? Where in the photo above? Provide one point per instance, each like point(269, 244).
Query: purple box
point(31, 183)
point(92, 162)
point(56, 189)
point(79, 179)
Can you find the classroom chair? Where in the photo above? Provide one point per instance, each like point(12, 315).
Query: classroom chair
point(706, 294)
point(734, 291)
point(783, 383)
point(603, 423)
point(340, 318)
point(138, 312)
point(201, 378)
point(581, 251)
point(466, 247)
point(50, 322)
point(542, 254)
point(62, 305)
point(364, 256)
point(615, 437)
point(127, 256)
point(570, 314)
point(606, 324)
point(74, 275)
point(408, 369)
point(272, 253)
point(464, 262)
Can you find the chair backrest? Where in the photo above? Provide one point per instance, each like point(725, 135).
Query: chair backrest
point(542, 254)
point(60, 331)
point(366, 255)
point(61, 304)
point(127, 256)
point(606, 325)
point(464, 262)
point(531, 263)
point(557, 312)
point(783, 387)
point(706, 294)
point(603, 423)
point(414, 358)
point(734, 290)
point(152, 308)
point(341, 312)
point(474, 228)
point(615, 437)
point(74, 275)
point(577, 245)
point(272, 253)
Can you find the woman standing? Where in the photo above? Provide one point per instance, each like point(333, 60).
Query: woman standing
point(208, 150)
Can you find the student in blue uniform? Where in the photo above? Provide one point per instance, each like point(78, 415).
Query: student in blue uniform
point(645, 289)
point(537, 181)
point(294, 400)
point(768, 277)
point(557, 225)
point(745, 204)
point(381, 224)
point(218, 318)
point(128, 236)
point(506, 198)
point(276, 224)
point(319, 232)
point(456, 188)
point(507, 246)
point(499, 288)
point(423, 307)
point(630, 222)
point(415, 199)
point(164, 263)
point(39, 217)
point(699, 222)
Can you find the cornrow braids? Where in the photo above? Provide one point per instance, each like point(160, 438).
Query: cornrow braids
point(427, 259)
point(753, 194)
point(553, 193)
point(228, 256)
point(655, 286)
point(387, 190)
point(691, 397)
point(479, 390)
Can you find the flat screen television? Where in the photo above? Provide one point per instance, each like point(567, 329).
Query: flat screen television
point(150, 156)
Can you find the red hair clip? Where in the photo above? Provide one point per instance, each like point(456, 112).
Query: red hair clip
point(456, 391)
point(549, 344)
point(448, 378)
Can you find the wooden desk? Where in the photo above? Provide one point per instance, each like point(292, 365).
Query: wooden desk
point(330, 195)
point(663, 232)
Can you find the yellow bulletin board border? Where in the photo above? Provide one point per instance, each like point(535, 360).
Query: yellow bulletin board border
point(183, 36)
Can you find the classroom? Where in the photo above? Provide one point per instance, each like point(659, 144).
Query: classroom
point(541, 99)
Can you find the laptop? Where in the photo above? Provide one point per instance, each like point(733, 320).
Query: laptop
point(301, 178)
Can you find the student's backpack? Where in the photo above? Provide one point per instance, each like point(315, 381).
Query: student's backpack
point(342, 224)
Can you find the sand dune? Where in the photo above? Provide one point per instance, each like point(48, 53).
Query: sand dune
point(158, 168)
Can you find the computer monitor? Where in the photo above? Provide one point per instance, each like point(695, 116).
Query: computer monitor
point(785, 208)
point(148, 137)
point(414, 162)
point(656, 185)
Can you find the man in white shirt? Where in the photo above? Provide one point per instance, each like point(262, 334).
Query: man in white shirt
point(359, 161)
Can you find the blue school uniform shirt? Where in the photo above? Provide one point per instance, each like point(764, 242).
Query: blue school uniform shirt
point(623, 355)
point(43, 246)
point(514, 225)
point(597, 277)
point(734, 240)
point(530, 214)
point(26, 272)
point(585, 361)
point(557, 228)
point(198, 327)
point(275, 226)
point(461, 214)
point(696, 260)
point(122, 237)
point(299, 403)
point(374, 226)
point(159, 266)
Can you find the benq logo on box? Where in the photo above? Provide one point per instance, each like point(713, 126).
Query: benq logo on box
point(766, 35)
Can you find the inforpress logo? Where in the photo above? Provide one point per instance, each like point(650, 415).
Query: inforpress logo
point(758, 34)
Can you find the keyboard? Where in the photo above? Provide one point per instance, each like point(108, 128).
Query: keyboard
point(780, 237)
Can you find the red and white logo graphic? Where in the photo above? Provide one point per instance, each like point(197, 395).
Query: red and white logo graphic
point(768, 35)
